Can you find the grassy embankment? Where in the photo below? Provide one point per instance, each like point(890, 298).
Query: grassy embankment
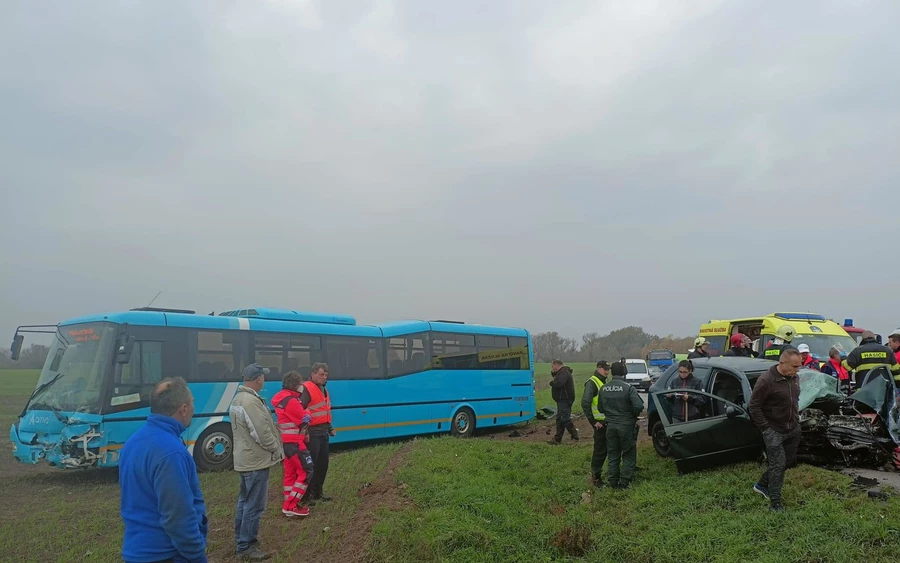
point(486, 499)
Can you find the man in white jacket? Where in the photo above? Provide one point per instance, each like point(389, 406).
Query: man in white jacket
point(257, 447)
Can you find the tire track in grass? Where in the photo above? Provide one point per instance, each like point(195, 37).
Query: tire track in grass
point(383, 492)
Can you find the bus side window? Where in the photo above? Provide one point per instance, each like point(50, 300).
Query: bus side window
point(406, 354)
point(137, 378)
point(353, 357)
point(218, 355)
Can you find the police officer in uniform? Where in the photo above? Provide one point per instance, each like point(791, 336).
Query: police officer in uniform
point(621, 405)
point(590, 404)
point(783, 337)
point(868, 355)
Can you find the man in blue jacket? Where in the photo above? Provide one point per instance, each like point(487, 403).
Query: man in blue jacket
point(162, 505)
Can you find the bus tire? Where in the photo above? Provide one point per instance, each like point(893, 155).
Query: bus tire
point(214, 449)
point(660, 440)
point(463, 423)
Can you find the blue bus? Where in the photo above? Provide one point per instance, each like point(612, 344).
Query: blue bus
point(399, 379)
point(662, 358)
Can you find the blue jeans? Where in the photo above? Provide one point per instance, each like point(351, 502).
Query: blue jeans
point(250, 507)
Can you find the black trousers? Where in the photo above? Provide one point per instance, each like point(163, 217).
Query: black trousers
point(599, 455)
point(318, 445)
point(564, 420)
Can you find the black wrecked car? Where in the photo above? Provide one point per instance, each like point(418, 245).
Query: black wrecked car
point(858, 430)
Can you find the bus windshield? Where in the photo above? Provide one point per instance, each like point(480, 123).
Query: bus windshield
point(73, 375)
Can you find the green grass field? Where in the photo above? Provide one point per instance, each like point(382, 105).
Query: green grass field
point(491, 498)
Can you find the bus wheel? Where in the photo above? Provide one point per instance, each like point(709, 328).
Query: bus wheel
point(660, 440)
point(213, 450)
point(463, 423)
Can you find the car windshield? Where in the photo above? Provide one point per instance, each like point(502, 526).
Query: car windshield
point(819, 344)
point(636, 367)
point(73, 375)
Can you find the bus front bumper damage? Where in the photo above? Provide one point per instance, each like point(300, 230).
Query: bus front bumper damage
point(76, 445)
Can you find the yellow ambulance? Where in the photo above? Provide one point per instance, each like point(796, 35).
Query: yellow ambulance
point(819, 333)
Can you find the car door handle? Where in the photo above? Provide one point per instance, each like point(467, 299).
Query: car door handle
point(677, 435)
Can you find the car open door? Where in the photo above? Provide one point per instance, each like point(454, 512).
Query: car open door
point(722, 434)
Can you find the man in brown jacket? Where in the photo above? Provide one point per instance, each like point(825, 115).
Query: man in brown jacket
point(774, 408)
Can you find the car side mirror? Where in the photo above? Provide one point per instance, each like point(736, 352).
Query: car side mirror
point(731, 412)
point(16, 347)
point(123, 354)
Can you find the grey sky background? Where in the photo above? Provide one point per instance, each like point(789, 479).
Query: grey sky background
point(570, 166)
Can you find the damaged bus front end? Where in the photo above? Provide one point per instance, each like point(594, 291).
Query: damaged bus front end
point(61, 423)
point(64, 440)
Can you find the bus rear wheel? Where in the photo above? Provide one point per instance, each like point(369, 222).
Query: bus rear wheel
point(213, 451)
point(463, 423)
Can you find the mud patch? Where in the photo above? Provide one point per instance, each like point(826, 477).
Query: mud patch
point(573, 542)
point(384, 492)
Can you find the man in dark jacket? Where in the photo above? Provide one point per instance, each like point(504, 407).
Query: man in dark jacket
point(740, 346)
point(701, 349)
point(868, 355)
point(590, 404)
point(563, 391)
point(621, 405)
point(685, 406)
point(161, 503)
point(774, 408)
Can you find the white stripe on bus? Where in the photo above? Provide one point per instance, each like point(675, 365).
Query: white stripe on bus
point(243, 324)
point(224, 403)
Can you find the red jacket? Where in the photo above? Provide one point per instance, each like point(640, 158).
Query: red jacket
point(290, 412)
point(811, 363)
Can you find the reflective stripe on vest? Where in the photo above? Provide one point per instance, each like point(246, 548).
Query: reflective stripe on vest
point(595, 402)
point(319, 405)
point(287, 427)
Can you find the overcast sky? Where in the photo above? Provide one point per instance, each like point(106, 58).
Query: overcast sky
point(570, 166)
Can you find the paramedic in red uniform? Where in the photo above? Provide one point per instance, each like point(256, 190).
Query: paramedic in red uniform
point(298, 466)
point(316, 399)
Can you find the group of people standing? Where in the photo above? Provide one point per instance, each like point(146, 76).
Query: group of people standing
point(162, 504)
point(611, 406)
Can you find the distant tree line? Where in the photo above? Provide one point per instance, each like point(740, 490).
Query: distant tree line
point(32, 357)
point(628, 342)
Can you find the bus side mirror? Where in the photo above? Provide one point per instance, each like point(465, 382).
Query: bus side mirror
point(16, 347)
point(123, 354)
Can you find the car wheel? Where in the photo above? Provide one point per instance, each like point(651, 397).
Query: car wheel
point(463, 423)
point(214, 450)
point(660, 440)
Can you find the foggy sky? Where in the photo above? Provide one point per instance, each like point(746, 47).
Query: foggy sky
point(569, 166)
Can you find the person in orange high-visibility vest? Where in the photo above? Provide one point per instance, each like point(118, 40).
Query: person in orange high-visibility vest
point(316, 400)
point(292, 421)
